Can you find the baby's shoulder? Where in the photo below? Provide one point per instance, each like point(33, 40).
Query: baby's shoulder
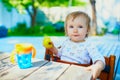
point(64, 42)
point(90, 44)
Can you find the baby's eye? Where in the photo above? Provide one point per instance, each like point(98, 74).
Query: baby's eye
point(80, 26)
point(71, 26)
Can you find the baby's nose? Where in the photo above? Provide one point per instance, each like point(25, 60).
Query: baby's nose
point(75, 30)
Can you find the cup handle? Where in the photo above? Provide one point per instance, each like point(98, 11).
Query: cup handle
point(12, 57)
point(34, 52)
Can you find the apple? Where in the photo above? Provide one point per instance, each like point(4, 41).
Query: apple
point(47, 43)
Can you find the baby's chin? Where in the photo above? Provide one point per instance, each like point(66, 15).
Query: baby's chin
point(77, 40)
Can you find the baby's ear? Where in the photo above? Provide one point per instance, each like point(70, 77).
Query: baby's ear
point(88, 33)
point(88, 30)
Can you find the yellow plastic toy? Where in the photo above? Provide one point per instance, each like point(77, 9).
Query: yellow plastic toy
point(12, 57)
point(47, 42)
point(24, 52)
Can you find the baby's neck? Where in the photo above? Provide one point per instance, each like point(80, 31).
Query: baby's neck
point(78, 41)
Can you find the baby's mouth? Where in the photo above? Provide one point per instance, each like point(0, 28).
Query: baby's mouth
point(75, 35)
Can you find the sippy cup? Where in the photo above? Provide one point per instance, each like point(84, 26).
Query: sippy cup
point(23, 52)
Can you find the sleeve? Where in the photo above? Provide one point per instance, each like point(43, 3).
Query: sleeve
point(94, 53)
point(61, 48)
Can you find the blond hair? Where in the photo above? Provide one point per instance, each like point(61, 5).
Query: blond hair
point(74, 15)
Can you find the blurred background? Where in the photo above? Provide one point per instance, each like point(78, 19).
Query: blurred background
point(28, 21)
point(46, 17)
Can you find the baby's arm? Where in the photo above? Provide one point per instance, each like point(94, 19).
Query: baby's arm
point(48, 44)
point(96, 69)
point(97, 59)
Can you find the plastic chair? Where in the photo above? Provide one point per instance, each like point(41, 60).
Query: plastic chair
point(106, 74)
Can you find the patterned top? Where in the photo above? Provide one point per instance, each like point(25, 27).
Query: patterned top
point(81, 52)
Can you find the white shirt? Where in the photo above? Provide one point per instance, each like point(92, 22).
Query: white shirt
point(81, 52)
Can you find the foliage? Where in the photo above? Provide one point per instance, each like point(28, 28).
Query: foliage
point(51, 3)
point(48, 29)
point(116, 31)
point(78, 3)
point(103, 32)
point(31, 6)
point(33, 30)
point(41, 18)
point(59, 26)
point(3, 31)
point(117, 28)
point(22, 30)
point(21, 5)
point(18, 4)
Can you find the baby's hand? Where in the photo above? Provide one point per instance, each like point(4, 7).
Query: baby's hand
point(95, 71)
point(47, 43)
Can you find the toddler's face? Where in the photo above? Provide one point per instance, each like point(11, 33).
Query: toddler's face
point(77, 29)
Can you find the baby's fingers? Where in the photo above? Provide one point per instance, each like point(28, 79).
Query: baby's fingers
point(89, 68)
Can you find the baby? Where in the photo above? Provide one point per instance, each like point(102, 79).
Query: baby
point(76, 48)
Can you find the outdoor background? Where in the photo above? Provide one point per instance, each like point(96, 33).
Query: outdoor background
point(29, 21)
point(38, 18)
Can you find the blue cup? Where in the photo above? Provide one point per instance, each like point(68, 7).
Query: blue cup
point(24, 60)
